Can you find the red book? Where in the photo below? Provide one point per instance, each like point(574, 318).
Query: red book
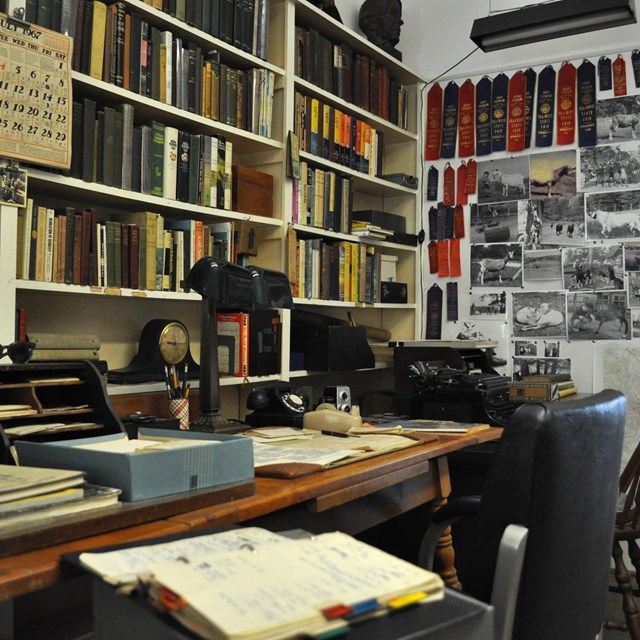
point(233, 343)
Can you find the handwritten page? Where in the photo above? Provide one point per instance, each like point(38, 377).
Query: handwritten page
point(126, 566)
point(265, 454)
point(246, 594)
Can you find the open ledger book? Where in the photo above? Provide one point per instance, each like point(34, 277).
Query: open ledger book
point(284, 587)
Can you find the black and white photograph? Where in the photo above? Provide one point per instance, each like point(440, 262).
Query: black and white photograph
point(503, 180)
point(540, 366)
point(552, 349)
point(617, 119)
point(633, 289)
point(496, 265)
point(529, 224)
point(598, 316)
point(562, 221)
point(609, 166)
point(525, 348)
point(631, 256)
point(492, 306)
point(635, 323)
point(552, 174)
point(539, 314)
point(493, 222)
point(13, 185)
point(613, 215)
point(593, 268)
point(545, 264)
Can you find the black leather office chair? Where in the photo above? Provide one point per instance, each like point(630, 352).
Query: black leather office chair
point(544, 524)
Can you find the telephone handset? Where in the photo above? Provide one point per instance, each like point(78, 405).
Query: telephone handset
point(276, 403)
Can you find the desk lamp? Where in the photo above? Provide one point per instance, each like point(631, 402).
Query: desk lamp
point(222, 285)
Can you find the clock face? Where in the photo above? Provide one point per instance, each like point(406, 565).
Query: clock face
point(173, 343)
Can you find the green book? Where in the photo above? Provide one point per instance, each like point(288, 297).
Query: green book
point(157, 157)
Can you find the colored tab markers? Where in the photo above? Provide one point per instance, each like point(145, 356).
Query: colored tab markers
point(407, 600)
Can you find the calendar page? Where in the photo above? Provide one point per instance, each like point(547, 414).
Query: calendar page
point(35, 94)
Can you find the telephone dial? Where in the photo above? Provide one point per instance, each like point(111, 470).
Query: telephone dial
point(276, 403)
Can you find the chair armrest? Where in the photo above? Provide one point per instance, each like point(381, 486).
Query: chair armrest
point(441, 519)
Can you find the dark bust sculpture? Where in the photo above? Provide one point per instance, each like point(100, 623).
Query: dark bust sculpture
point(329, 7)
point(380, 21)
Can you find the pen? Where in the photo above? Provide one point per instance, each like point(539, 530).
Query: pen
point(166, 381)
point(336, 434)
point(184, 379)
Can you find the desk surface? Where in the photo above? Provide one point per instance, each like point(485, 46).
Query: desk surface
point(351, 497)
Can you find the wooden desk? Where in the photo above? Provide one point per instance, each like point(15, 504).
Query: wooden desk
point(352, 498)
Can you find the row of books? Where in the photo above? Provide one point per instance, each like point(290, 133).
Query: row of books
point(337, 136)
point(351, 76)
point(322, 199)
point(123, 49)
point(333, 270)
point(140, 250)
point(150, 158)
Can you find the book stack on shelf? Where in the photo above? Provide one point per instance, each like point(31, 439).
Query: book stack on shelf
point(543, 387)
point(33, 495)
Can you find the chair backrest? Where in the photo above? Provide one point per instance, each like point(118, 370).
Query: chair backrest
point(555, 472)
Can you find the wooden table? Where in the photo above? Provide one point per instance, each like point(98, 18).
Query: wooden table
point(352, 498)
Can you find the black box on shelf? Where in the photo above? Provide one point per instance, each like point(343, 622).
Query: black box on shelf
point(264, 342)
point(332, 347)
point(394, 292)
point(384, 219)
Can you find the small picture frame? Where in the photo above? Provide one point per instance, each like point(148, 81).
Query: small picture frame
point(13, 184)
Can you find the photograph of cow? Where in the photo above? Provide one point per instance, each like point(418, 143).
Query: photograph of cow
point(503, 180)
point(608, 167)
point(542, 265)
point(613, 215)
point(540, 366)
point(552, 174)
point(617, 119)
point(492, 306)
point(593, 268)
point(563, 221)
point(538, 314)
point(491, 223)
point(496, 265)
point(598, 316)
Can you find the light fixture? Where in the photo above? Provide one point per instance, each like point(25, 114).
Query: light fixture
point(549, 20)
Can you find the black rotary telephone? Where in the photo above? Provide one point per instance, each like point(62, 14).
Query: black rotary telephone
point(276, 404)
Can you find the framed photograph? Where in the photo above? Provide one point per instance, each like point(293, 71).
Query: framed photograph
point(490, 223)
point(496, 265)
point(613, 215)
point(552, 174)
point(633, 289)
point(539, 314)
point(635, 323)
point(525, 348)
point(492, 306)
point(13, 184)
point(609, 167)
point(552, 349)
point(598, 316)
point(503, 180)
point(540, 366)
point(562, 220)
point(542, 265)
point(631, 256)
point(593, 268)
point(617, 118)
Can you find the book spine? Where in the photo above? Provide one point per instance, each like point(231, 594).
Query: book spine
point(157, 158)
point(170, 166)
point(98, 31)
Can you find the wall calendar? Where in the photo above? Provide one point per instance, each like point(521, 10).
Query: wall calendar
point(35, 94)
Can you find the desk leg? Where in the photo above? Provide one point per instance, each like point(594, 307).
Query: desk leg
point(444, 558)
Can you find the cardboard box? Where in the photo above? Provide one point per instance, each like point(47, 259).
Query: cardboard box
point(252, 191)
point(151, 474)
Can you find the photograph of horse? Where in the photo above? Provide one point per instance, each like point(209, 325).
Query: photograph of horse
point(538, 314)
point(598, 316)
point(542, 265)
point(613, 215)
point(617, 119)
point(552, 174)
point(609, 167)
point(503, 180)
point(563, 221)
point(496, 265)
point(538, 366)
point(493, 222)
point(593, 268)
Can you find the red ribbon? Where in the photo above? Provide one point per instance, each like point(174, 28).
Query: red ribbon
point(455, 268)
point(458, 222)
point(443, 258)
point(516, 112)
point(466, 119)
point(449, 186)
point(461, 182)
point(432, 250)
point(472, 177)
point(619, 76)
point(566, 104)
point(434, 123)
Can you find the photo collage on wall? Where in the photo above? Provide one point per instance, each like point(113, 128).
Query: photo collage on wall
point(554, 233)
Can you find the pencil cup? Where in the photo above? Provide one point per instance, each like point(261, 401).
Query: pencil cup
point(179, 408)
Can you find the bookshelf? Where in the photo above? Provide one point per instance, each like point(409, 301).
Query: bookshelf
point(116, 313)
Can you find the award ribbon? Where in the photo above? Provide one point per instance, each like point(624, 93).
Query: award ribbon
point(432, 250)
point(458, 222)
point(516, 111)
point(448, 223)
point(499, 112)
point(531, 76)
point(434, 123)
point(545, 107)
point(483, 116)
point(443, 259)
point(455, 271)
point(466, 119)
point(433, 223)
point(432, 183)
point(461, 183)
point(434, 313)
point(452, 301)
point(604, 74)
point(619, 76)
point(472, 177)
point(449, 121)
point(635, 65)
point(442, 217)
point(566, 104)
point(587, 104)
point(449, 186)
